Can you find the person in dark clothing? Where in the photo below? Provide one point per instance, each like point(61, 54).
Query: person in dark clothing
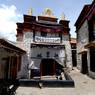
point(58, 73)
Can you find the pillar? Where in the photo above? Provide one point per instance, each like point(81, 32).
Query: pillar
point(40, 71)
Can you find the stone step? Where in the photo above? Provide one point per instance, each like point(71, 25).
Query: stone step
point(46, 83)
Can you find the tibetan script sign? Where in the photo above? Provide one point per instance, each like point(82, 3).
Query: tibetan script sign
point(47, 40)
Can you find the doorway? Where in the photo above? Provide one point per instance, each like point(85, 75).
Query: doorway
point(74, 58)
point(50, 67)
point(92, 59)
point(84, 69)
point(47, 67)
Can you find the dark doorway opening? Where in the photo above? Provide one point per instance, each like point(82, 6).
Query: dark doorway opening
point(84, 63)
point(49, 67)
point(74, 58)
point(92, 60)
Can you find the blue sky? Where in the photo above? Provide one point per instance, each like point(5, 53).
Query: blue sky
point(12, 11)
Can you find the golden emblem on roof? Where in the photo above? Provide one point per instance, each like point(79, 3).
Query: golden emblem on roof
point(48, 12)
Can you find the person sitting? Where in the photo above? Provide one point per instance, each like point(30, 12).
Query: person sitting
point(58, 74)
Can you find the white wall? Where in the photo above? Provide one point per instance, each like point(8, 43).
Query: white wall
point(43, 51)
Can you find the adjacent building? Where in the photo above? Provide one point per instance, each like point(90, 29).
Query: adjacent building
point(10, 59)
point(85, 30)
point(47, 42)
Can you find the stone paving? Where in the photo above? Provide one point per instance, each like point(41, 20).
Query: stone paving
point(83, 86)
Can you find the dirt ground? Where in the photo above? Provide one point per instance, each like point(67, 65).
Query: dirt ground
point(83, 86)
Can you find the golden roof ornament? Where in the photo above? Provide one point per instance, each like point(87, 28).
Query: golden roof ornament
point(30, 12)
point(62, 16)
point(48, 12)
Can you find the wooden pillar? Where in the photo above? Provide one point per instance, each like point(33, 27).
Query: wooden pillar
point(9, 73)
point(11, 65)
point(14, 67)
point(18, 63)
point(40, 70)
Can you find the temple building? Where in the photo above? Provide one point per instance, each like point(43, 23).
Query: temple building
point(47, 42)
point(85, 30)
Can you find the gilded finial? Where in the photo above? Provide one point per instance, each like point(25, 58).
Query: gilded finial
point(62, 16)
point(30, 12)
point(48, 12)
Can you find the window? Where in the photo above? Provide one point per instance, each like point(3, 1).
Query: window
point(56, 55)
point(43, 34)
point(91, 30)
point(47, 54)
point(39, 55)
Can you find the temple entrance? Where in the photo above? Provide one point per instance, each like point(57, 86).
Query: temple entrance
point(84, 63)
point(49, 67)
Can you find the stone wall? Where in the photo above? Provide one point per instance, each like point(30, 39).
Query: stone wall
point(82, 40)
point(66, 42)
point(24, 73)
point(27, 40)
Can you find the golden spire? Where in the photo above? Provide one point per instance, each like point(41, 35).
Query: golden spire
point(62, 16)
point(30, 12)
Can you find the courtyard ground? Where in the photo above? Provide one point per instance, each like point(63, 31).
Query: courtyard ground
point(83, 86)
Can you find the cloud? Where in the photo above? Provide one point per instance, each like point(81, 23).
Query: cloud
point(8, 19)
